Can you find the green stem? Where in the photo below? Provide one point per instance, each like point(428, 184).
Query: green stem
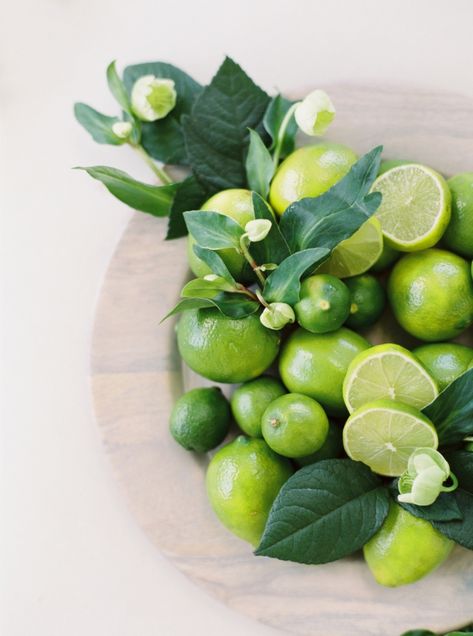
point(454, 485)
point(281, 133)
point(159, 172)
point(251, 260)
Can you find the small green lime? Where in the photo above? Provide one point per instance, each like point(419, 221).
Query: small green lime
point(445, 361)
point(294, 425)
point(200, 419)
point(316, 364)
point(458, 236)
point(367, 300)
point(243, 479)
point(225, 349)
point(388, 257)
point(250, 400)
point(330, 449)
point(324, 303)
point(405, 549)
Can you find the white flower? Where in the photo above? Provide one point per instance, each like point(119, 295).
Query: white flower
point(152, 98)
point(122, 129)
point(315, 113)
point(257, 230)
point(423, 480)
point(277, 315)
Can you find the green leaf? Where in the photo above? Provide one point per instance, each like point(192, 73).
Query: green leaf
point(188, 303)
point(213, 230)
point(117, 88)
point(259, 165)
point(274, 248)
point(202, 288)
point(445, 508)
point(273, 117)
point(97, 124)
point(283, 285)
point(215, 262)
point(452, 410)
point(164, 139)
point(155, 200)
point(190, 195)
point(324, 512)
point(231, 305)
point(216, 133)
point(334, 216)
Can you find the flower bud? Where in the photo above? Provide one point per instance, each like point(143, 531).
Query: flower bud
point(257, 230)
point(122, 129)
point(422, 482)
point(315, 113)
point(152, 98)
point(277, 316)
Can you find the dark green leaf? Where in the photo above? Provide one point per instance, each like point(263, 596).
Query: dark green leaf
point(97, 124)
point(155, 200)
point(232, 305)
point(163, 139)
point(215, 262)
point(272, 121)
point(324, 512)
point(117, 88)
point(274, 248)
point(213, 230)
point(334, 216)
point(284, 284)
point(444, 508)
point(461, 464)
point(190, 195)
point(188, 303)
point(418, 632)
point(216, 133)
point(259, 165)
point(452, 410)
point(203, 288)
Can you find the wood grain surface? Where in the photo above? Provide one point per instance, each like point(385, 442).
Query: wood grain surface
point(137, 375)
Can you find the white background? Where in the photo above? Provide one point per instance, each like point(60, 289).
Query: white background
point(73, 561)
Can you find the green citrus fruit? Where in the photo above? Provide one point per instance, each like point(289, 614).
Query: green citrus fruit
point(238, 205)
point(445, 361)
point(200, 419)
point(224, 349)
point(309, 172)
point(367, 300)
point(431, 294)
point(294, 425)
point(387, 258)
point(331, 448)
point(458, 236)
point(316, 364)
point(250, 400)
point(243, 479)
point(324, 303)
point(405, 549)
point(387, 164)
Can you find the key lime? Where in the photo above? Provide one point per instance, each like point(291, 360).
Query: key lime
point(331, 448)
point(388, 371)
point(250, 400)
point(383, 434)
point(367, 301)
point(294, 425)
point(405, 549)
point(458, 236)
point(224, 349)
point(309, 172)
point(324, 303)
point(200, 419)
point(415, 209)
point(387, 258)
point(243, 479)
point(316, 364)
point(431, 294)
point(445, 361)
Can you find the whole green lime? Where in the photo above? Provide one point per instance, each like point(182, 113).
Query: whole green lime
point(458, 236)
point(431, 294)
point(243, 479)
point(445, 361)
point(225, 349)
point(330, 449)
point(309, 172)
point(294, 425)
point(405, 548)
point(249, 401)
point(316, 364)
point(367, 300)
point(200, 419)
point(388, 257)
point(238, 205)
point(324, 303)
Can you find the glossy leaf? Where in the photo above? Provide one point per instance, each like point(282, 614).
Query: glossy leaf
point(444, 508)
point(213, 230)
point(215, 262)
point(117, 88)
point(231, 305)
point(273, 117)
point(99, 126)
point(188, 303)
point(190, 195)
point(274, 248)
point(259, 165)
point(203, 288)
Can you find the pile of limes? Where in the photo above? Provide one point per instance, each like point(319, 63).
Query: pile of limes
point(319, 389)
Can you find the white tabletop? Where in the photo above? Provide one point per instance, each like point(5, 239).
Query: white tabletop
point(76, 563)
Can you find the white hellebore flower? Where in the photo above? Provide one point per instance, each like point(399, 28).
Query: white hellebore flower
point(257, 230)
point(277, 316)
point(315, 113)
point(423, 480)
point(152, 98)
point(122, 129)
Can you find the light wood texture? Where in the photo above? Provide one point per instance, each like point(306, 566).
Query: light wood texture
point(137, 375)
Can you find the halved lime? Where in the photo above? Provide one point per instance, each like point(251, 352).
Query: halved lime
point(387, 371)
point(416, 206)
point(383, 435)
point(356, 254)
